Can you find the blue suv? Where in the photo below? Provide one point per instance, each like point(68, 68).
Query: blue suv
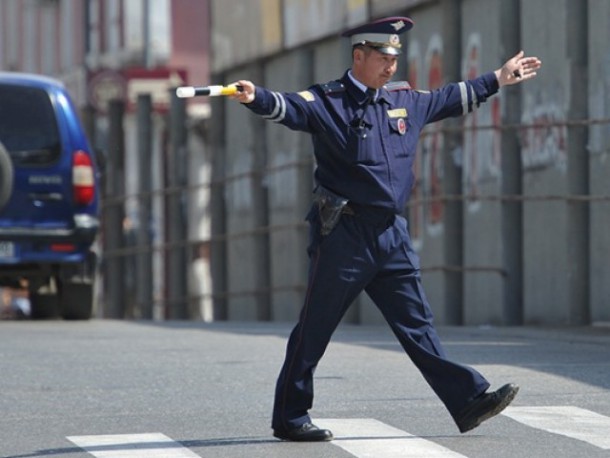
point(48, 197)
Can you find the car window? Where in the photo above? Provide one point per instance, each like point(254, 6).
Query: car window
point(28, 128)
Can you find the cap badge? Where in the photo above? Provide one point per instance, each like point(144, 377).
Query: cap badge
point(398, 25)
point(394, 40)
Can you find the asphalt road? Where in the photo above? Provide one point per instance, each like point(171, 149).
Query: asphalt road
point(205, 390)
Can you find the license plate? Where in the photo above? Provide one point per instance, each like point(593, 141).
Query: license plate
point(7, 250)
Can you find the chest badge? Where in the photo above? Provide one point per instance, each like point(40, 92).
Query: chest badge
point(398, 113)
point(402, 126)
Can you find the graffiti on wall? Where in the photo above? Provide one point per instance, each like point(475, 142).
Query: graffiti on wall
point(544, 144)
point(542, 136)
point(426, 72)
point(481, 148)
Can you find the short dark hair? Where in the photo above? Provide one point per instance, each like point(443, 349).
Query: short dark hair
point(367, 49)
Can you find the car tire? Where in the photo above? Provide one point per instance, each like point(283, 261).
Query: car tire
point(6, 176)
point(76, 300)
point(44, 306)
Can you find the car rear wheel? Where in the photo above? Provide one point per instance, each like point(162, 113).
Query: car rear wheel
point(44, 305)
point(6, 176)
point(77, 300)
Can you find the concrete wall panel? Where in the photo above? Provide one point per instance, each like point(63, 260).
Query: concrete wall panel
point(289, 178)
point(243, 31)
point(545, 160)
point(331, 59)
point(599, 136)
point(245, 259)
point(309, 20)
point(380, 8)
point(481, 172)
point(426, 219)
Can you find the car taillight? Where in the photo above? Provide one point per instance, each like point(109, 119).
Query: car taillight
point(82, 178)
point(62, 247)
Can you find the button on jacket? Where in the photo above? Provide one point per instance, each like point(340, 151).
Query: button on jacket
point(365, 149)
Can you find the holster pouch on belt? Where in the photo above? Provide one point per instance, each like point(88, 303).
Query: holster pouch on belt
point(330, 206)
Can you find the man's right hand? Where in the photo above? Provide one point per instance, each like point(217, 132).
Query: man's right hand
point(247, 95)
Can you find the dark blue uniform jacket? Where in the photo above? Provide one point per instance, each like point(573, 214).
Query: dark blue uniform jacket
point(366, 154)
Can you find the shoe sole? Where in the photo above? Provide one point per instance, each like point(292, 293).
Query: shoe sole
point(303, 439)
point(492, 413)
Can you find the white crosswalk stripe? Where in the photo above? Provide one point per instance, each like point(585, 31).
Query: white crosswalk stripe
point(148, 445)
point(367, 438)
point(570, 421)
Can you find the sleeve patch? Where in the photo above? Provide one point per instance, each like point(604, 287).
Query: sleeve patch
point(307, 95)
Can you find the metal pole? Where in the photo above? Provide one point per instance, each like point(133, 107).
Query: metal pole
point(512, 172)
point(453, 231)
point(144, 268)
point(176, 211)
point(260, 200)
point(578, 164)
point(115, 213)
point(218, 248)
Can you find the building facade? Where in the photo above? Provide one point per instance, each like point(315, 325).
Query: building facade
point(105, 50)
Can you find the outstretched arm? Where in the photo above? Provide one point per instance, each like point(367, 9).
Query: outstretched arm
point(517, 69)
point(295, 110)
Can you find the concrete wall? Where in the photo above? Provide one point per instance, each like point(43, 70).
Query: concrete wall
point(247, 251)
point(426, 219)
point(244, 31)
point(515, 262)
point(545, 166)
point(289, 179)
point(481, 175)
point(599, 146)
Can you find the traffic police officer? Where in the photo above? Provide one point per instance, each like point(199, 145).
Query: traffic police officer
point(365, 130)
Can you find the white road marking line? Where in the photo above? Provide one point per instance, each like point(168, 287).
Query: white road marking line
point(574, 422)
point(149, 445)
point(370, 438)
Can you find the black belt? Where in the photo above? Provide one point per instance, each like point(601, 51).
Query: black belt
point(374, 214)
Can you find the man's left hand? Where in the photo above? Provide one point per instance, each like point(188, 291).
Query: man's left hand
point(517, 69)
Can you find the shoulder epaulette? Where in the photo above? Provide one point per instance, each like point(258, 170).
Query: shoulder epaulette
point(332, 87)
point(397, 86)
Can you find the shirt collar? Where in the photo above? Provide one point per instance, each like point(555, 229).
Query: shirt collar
point(380, 94)
point(359, 85)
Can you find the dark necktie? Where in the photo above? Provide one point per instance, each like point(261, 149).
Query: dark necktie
point(370, 98)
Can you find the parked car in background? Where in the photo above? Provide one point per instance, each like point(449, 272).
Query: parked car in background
point(48, 197)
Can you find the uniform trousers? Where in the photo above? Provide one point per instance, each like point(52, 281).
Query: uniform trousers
point(370, 251)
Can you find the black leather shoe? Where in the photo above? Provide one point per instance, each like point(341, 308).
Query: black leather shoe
point(305, 433)
point(486, 406)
